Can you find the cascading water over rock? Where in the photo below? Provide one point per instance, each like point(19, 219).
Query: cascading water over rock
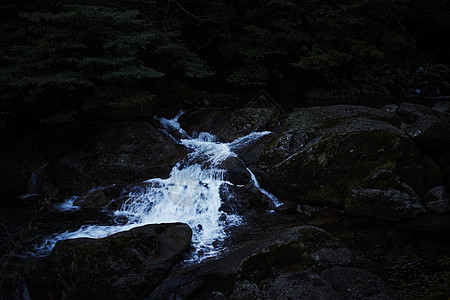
point(191, 194)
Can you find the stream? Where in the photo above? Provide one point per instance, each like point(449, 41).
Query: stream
point(192, 194)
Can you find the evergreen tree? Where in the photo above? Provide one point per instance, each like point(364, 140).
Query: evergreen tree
point(323, 39)
point(80, 55)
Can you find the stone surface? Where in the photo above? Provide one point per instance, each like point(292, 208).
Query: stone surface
point(353, 283)
point(390, 204)
point(317, 154)
point(126, 265)
point(120, 153)
point(254, 261)
point(244, 290)
point(303, 285)
point(437, 201)
point(228, 125)
point(432, 133)
point(333, 257)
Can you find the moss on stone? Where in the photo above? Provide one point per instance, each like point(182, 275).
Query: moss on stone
point(325, 196)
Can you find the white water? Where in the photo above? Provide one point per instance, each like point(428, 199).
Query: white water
point(67, 205)
point(256, 183)
point(190, 195)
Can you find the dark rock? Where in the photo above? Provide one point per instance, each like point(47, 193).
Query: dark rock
point(443, 107)
point(390, 108)
point(250, 199)
point(244, 290)
point(119, 153)
point(24, 160)
point(411, 112)
point(237, 173)
point(333, 257)
point(100, 197)
point(317, 154)
point(318, 211)
point(304, 285)
point(126, 265)
point(13, 287)
point(287, 208)
point(422, 174)
point(320, 152)
point(217, 296)
point(228, 125)
point(437, 201)
point(432, 133)
point(353, 283)
point(291, 249)
point(390, 204)
point(255, 261)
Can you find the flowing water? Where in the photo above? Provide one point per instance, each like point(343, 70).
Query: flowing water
point(191, 194)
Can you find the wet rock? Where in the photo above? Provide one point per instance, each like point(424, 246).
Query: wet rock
point(333, 257)
point(244, 290)
point(287, 208)
point(100, 197)
point(318, 154)
point(303, 285)
point(321, 151)
point(120, 153)
point(244, 200)
point(236, 171)
point(437, 201)
point(353, 283)
point(126, 265)
point(255, 261)
point(228, 125)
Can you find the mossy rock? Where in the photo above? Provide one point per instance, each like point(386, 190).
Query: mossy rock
point(383, 196)
point(321, 172)
point(291, 249)
point(318, 154)
point(126, 265)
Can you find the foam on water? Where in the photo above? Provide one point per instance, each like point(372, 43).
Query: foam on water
point(191, 194)
point(67, 205)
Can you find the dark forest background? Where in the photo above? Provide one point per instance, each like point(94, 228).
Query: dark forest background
point(61, 60)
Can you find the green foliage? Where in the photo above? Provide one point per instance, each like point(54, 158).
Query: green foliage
point(64, 57)
point(315, 39)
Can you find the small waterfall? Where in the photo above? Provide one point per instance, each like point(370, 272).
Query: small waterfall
point(255, 182)
point(191, 194)
point(32, 185)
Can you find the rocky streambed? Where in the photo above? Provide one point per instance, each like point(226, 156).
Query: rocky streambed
point(363, 193)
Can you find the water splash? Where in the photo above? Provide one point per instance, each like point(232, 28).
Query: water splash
point(67, 205)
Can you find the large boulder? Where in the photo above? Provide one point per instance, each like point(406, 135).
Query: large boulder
point(126, 265)
point(437, 201)
point(318, 154)
point(255, 262)
point(119, 153)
